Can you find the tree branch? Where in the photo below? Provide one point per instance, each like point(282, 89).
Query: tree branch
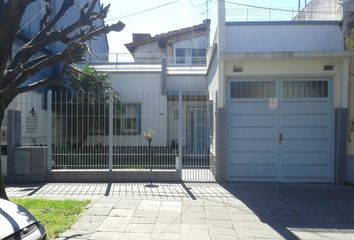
point(39, 84)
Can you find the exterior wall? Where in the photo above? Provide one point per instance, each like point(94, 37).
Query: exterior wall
point(283, 37)
point(143, 88)
point(199, 42)
point(321, 10)
point(187, 82)
point(31, 131)
point(293, 68)
point(149, 53)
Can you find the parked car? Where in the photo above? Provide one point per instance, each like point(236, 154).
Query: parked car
point(17, 222)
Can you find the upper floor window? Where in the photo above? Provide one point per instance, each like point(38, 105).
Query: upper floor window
point(190, 56)
point(181, 54)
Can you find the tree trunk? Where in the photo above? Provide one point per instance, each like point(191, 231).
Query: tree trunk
point(3, 194)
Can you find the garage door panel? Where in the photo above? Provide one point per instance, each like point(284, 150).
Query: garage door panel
point(253, 145)
point(252, 132)
point(302, 107)
point(249, 108)
point(305, 120)
point(252, 120)
point(309, 146)
point(254, 158)
point(253, 171)
point(315, 171)
point(305, 133)
point(305, 158)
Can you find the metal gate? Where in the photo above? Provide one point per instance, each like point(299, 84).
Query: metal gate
point(94, 133)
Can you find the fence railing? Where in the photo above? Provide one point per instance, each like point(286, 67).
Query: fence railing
point(105, 131)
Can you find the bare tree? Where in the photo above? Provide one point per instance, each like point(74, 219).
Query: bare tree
point(31, 59)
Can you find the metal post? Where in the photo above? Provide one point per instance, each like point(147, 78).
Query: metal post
point(110, 132)
point(180, 132)
point(49, 130)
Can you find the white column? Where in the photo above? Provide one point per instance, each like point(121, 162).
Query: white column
point(49, 130)
point(180, 132)
point(110, 132)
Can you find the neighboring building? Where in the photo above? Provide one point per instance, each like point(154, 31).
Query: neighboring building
point(32, 104)
point(186, 46)
point(322, 10)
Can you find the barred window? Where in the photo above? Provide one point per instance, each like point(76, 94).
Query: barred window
point(253, 89)
point(305, 89)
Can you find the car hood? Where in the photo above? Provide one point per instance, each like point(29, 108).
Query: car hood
point(13, 218)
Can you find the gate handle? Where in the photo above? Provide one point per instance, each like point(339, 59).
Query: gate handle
point(280, 138)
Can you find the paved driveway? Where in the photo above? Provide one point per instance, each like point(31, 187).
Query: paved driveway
point(232, 211)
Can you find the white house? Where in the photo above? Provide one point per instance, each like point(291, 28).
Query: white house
point(277, 98)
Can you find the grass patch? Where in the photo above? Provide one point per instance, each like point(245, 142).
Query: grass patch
point(56, 215)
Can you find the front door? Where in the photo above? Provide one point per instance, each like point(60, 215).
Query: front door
point(197, 130)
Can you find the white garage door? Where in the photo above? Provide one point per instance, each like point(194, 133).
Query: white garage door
point(280, 130)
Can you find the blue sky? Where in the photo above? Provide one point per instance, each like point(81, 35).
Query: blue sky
point(182, 13)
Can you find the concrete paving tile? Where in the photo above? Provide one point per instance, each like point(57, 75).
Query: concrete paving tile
point(139, 228)
point(222, 231)
point(165, 236)
point(142, 220)
point(243, 217)
point(171, 203)
point(170, 209)
point(196, 221)
point(218, 216)
point(98, 211)
point(146, 213)
point(225, 237)
point(108, 200)
point(164, 213)
point(215, 209)
point(168, 220)
point(105, 235)
point(88, 222)
point(219, 223)
point(192, 203)
point(167, 228)
point(77, 234)
point(188, 209)
point(193, 228)
point(113, 224)
point(121, 213)
point(256, 233)
point(195, 236)
point(135, 236)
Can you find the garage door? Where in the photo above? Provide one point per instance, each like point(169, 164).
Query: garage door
point(280, 130)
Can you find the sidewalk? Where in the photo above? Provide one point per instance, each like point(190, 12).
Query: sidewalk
point(207, 211)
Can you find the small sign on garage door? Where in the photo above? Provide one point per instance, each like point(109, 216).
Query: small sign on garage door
point(273, 103)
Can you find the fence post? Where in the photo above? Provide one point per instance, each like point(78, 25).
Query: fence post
point(49, 130)
point(110, 132)
point(180, 133)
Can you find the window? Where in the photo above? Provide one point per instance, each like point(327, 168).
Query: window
point(198, 56)
point(305, 89)
point(252, 89)
point(130, 121)
point(181, 54)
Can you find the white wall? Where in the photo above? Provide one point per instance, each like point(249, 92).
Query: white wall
point(285, 37)
point(294, 68)
point(32, 130)
point(213, 78)
point(144, 88)
point(186, 82)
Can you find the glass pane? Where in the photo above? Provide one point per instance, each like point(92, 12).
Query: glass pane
point(305, 89)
